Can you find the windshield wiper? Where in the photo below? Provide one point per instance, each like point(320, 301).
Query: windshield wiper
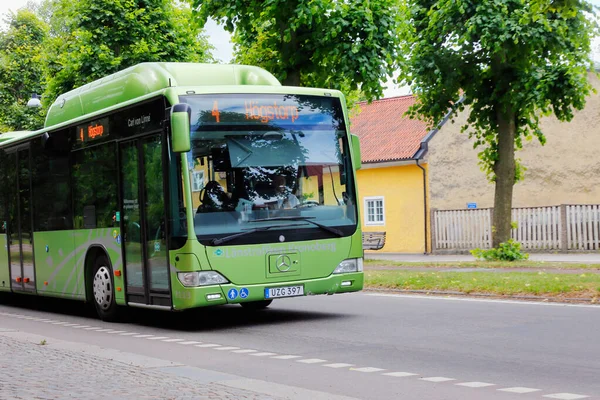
point(335, 231)
point(225, 239)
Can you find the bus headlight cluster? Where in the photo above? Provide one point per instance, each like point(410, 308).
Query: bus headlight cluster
point(201, 278)
point(349, 265)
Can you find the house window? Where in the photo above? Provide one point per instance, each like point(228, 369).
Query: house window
point(197, 181)
point(374, 211)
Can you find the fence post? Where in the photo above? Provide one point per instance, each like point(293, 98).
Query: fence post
point(563, 227)
point(491, 228)
point(432, 230)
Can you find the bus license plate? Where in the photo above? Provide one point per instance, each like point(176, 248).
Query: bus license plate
point(286, 291)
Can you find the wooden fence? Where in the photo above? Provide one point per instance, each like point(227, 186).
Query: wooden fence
point(583, 227)
point(537, 228)
point(565, 227)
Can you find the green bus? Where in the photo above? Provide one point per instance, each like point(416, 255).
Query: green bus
point(182, 185)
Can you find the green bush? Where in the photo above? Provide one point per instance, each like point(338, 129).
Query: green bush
point(507, 251)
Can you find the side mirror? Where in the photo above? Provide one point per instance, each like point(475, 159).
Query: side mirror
point(356, 152)
point(180, 127)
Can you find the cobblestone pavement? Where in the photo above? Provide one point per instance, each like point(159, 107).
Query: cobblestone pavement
point(31, 371)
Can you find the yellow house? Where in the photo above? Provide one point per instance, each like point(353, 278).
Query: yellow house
point(392, 184)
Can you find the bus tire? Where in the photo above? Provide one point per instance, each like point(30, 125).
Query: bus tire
point(257, 305)
point(103, 291)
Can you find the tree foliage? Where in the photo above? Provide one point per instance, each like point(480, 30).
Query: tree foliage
point(512, 61)
point(327, 43)
point(21, 70)
point(94, 38)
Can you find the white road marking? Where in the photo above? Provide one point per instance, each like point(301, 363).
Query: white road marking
point(438, 379)
point(92, 328)
point(285, 357)
point(442, 297)
point(106, 330)
point(566, 396)
point(475, 384)
point(140, 336)
point(367, 369)
point(84, 326)
point(113, 332)
point(58, 323)
point(225, 348)
point(519, 389)
point(172, 340)
point(263, 354)
point(399, 374)
point(128, 333)
point(311, 361)
point(245, 351)
point(158, 338)
point(208, 345)
point(338, 365)
point(188, 342)
point(71, 325)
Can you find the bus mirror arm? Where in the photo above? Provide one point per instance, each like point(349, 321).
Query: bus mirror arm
point(355, 142)
point(180, 127)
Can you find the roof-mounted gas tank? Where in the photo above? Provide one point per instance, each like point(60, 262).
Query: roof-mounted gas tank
point(146, 78)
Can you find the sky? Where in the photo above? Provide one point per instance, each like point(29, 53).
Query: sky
point(220, 39)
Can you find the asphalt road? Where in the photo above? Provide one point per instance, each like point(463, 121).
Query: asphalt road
point(365, 345)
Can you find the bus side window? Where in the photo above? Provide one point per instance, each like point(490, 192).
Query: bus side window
point(95, 185)
point(51, 182)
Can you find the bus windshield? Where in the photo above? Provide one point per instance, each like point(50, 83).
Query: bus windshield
point(279, 162)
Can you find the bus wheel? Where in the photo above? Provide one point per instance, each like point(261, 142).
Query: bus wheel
point(257, 305)
point(103, 290)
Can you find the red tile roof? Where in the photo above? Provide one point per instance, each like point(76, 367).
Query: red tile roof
point(385, 133)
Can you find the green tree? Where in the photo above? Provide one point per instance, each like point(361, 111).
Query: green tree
point(21, 70)
point(512, 61)
point(328, 43)
point(94, 38)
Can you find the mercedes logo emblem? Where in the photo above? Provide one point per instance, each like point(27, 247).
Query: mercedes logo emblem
point(283, 263)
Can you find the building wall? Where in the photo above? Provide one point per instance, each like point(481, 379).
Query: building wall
point(564, 171)
point(402, 190)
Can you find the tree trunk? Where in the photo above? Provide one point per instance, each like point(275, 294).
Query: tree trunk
point(504, 169)
point(292, 78)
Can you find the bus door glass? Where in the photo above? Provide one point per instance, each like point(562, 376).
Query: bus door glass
point(143, 208)
point(19, 227)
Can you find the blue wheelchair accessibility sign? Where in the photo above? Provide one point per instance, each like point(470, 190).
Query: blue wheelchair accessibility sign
point(243, 293)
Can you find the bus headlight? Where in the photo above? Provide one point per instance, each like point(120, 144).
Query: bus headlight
point(349, 265)
point(201, 278)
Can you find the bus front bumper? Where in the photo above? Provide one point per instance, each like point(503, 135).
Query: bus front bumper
point(192, 297)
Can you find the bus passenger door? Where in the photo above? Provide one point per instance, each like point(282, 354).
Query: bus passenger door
point(20, 231)
point(144, 220)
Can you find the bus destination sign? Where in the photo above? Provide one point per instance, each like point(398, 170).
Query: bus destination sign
point(264, 112)
point(92, 131)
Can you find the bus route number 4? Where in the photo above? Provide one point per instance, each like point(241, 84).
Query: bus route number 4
point(215, 111)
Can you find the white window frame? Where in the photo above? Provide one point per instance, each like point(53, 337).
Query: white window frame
point(366, 202)
point(194, 186)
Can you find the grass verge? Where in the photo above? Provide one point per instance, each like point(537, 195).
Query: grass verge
point(501, 283)
point(484, 264)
